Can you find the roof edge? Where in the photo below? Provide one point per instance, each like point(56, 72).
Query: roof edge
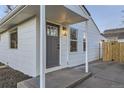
point(91, 17)
point(10, 14)
point(86, 10)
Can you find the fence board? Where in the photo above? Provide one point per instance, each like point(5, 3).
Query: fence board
point(112, 51)
point(122, 52)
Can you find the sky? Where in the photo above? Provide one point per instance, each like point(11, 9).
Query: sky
point(107, 17)
point(2, 11)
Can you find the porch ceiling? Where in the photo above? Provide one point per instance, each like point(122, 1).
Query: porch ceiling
point(62, 15)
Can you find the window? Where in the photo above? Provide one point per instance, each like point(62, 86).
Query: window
point(13, 39)
point(52, 30)
point(73, 40)
point(84, 45)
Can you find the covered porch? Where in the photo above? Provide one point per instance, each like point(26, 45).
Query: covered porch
point(64, 16)
point(66, 77)
point(61, 16)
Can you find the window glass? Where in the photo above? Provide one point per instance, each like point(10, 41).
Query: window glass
point(84, 45)
point(13, 40)
point(73, 34)
point(73, 40)
point(73, 46)
point(52, 30)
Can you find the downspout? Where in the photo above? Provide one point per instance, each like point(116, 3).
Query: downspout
point(86, 52)
point(68, 46)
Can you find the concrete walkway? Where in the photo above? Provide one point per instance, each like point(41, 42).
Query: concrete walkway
point(105, 75)
point(69, 77)
point(64, 78)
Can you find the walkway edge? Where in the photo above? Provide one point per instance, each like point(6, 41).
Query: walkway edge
point(75, 83)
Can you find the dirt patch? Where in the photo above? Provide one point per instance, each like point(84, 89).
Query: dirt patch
point(10, 77)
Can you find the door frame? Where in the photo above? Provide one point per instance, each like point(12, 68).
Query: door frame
point(59, 26)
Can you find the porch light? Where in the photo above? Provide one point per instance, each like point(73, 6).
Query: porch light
point(84, 36)
point(100, 42)
point(64, 31)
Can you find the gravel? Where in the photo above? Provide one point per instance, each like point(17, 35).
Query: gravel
point(10, 77)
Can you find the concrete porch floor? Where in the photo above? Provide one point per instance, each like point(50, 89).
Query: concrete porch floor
point(68, 77)
point(104, 75)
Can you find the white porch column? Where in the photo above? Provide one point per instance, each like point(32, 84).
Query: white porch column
point(86, 52)
point(42, 46)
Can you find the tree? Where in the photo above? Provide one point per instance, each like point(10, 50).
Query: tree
point(5, 9)
point(9, 8)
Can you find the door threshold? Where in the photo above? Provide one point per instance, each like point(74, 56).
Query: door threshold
point(54, 69)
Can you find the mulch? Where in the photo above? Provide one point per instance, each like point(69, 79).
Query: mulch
point(10, 77)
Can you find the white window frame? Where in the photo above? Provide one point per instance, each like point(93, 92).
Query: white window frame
point(13, 31)
point(76, 40)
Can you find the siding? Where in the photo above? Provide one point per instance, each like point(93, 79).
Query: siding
point(77, 9)
point(23, 58)
point(63, 49)
point(77, 58)
point(94, 39)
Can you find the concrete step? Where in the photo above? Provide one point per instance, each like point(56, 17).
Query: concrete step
point(30, 83)
point(35, 82)
point(77, 82)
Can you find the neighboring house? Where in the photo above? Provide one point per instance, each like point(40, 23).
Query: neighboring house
point(67, 28)
point(116, 34)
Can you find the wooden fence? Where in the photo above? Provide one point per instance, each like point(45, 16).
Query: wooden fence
point(113, 51)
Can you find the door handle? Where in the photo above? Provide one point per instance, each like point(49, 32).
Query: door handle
point(57, 46)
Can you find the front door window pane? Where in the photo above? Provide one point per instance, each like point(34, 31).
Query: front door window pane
point(52, 30)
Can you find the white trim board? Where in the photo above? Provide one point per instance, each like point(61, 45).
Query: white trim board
point(54, 68)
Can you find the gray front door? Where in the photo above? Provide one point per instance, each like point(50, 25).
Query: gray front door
point(52, 53)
